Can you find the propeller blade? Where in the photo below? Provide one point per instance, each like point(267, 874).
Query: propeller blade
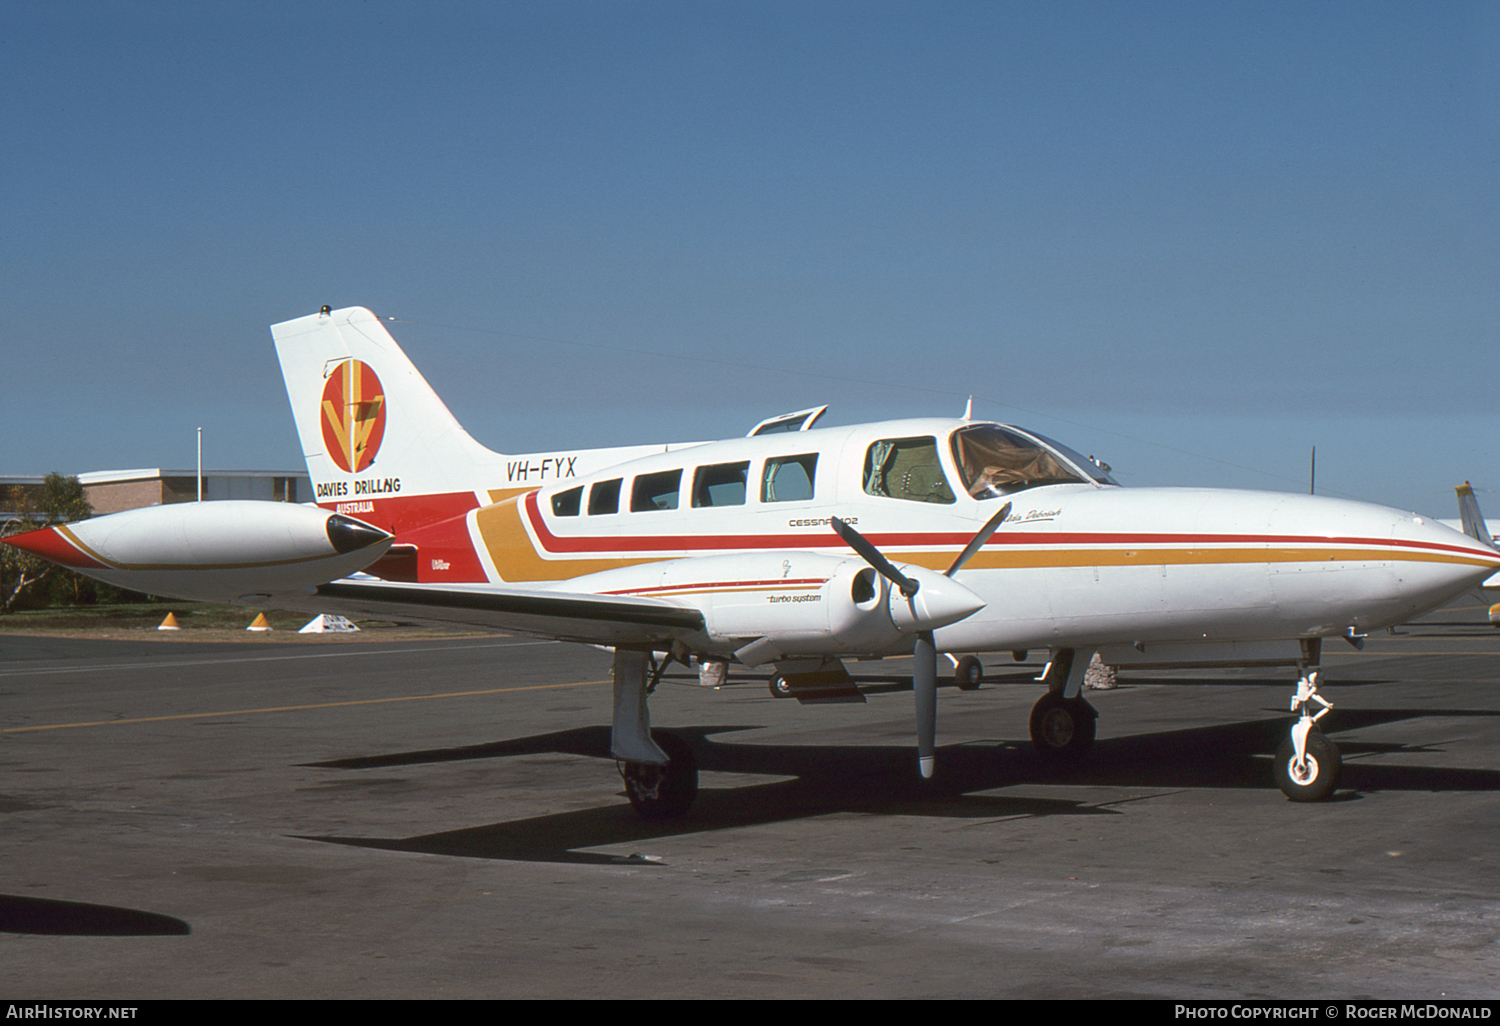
point(860, 544)
point(977, 543)
point(924, 686)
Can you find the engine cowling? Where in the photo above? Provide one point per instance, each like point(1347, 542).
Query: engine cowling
point(799, 603)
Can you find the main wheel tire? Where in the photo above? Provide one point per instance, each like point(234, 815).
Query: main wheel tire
point(662, 792)
point(1062, 729)
point(1316, 778)
point(780, 686)
point(969, 673)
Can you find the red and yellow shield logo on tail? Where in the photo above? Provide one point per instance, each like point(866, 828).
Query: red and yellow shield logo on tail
point(353, 415)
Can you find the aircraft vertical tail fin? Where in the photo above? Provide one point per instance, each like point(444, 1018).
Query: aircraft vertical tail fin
point(373, 431)
point(1472, 520)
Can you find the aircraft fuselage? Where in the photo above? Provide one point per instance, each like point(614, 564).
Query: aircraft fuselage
point(1079, 561)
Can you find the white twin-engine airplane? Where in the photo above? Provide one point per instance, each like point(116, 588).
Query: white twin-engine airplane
point(794, 548)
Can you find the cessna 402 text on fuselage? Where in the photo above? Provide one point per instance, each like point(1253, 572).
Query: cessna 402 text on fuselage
point(793, 549)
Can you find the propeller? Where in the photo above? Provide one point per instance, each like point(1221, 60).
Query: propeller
point(924, 652)
point(860, 544)
point(977, 542)
point(924, 689)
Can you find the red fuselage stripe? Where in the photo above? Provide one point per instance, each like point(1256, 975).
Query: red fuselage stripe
point(558, 545)
point(666, 589)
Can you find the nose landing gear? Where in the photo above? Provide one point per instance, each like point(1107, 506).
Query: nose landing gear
point(1307, 763)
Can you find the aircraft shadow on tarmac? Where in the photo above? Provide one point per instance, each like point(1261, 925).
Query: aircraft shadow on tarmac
point(880, 780)
point(50, 917)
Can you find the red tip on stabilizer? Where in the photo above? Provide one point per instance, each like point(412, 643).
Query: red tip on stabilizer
point(50, 543)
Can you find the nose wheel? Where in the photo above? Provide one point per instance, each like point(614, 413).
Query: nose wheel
point(1307, 763)
point(1312, 777)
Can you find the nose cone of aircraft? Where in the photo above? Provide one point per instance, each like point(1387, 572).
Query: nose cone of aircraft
point(1335, 564)
point(1442, 563)
point(1368, 566)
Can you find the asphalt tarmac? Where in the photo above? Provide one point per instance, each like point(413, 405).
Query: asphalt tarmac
point(431, 817)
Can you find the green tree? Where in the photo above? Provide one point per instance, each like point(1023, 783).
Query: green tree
point(59, 500)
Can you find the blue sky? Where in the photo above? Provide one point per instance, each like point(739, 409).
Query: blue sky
point(1193, 238)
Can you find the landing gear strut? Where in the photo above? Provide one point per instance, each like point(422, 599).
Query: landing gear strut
point(1307, 763)
point(658, 768)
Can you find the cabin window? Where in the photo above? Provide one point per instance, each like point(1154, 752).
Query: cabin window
point(720, 485)
point(997, 462)
point(604, 497)
point(789, 478)
point(655, 491)
point(906, 468)
point(568, 503)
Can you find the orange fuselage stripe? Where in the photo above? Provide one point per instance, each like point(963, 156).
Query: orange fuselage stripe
point(517, 558)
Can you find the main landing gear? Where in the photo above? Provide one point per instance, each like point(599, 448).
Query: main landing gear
point(968, 673)
point(1307, 763)
point(1062, 723)
point(662, 792)
point(658, 768)
point(1062, 729)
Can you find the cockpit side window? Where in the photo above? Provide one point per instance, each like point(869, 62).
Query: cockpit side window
point(995, 462)
point(906, 468)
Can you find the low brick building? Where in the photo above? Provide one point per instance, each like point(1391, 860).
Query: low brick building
point(110, 491)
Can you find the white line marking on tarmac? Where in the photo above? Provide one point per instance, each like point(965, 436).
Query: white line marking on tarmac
point(346, 652)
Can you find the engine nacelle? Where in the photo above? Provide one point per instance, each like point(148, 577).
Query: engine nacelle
point(227, 551)
point(799, 603)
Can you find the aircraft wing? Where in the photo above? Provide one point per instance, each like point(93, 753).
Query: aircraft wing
point(560, 615)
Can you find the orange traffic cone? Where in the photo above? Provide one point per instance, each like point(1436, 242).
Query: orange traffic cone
point(259, 623)
point(169, 624)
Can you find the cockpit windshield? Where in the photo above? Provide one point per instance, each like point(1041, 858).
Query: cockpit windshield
point(995, 461)
point(1090, 466)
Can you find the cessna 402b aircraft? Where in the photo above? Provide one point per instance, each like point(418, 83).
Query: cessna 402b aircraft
point(794, 548)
